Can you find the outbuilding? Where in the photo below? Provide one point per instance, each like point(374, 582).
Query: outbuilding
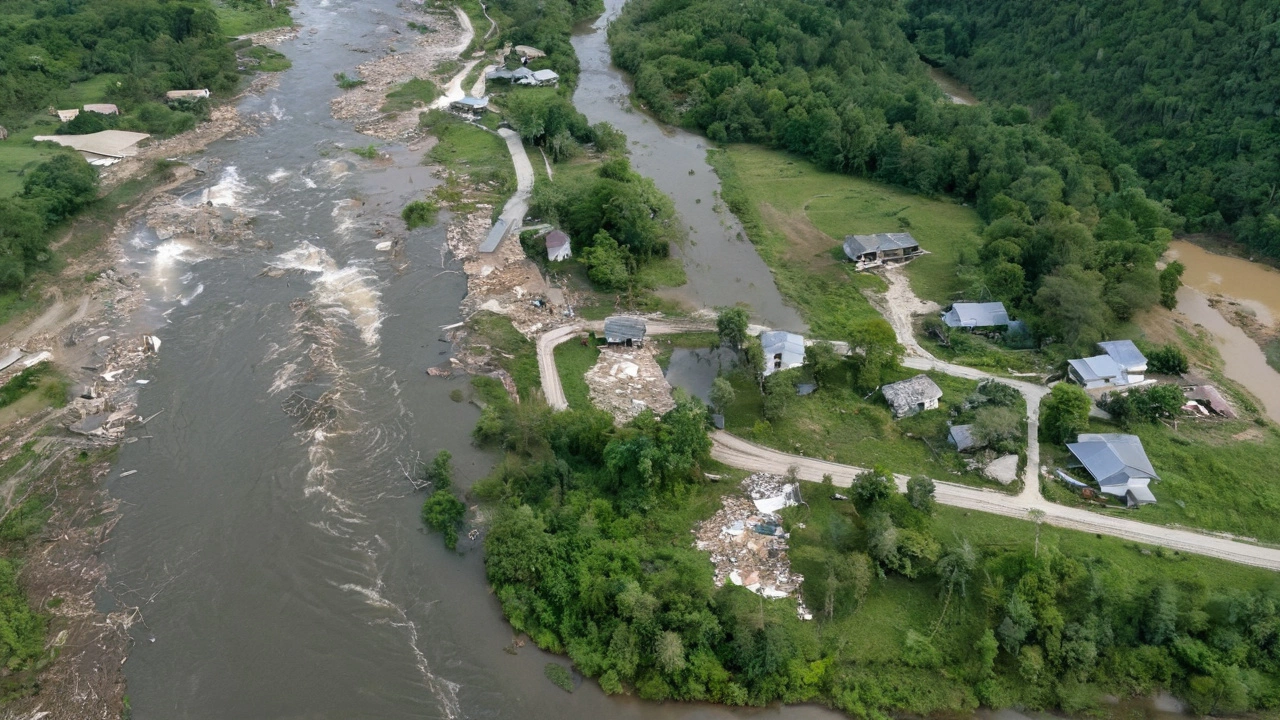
point(558, 246)
point(911, 396)
point(782, 351)
point(627, 330)
point(976, 315)
point(868, 251)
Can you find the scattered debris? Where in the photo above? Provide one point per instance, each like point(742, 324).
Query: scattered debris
point(628, 381)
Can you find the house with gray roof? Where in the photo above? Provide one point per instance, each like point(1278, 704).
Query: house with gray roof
point(470, 105)
point(1122, 365)
point(976, 315)
point(625, 330)
point(1118, 464)
point(558, 247)
point(782, 351)
point(912, 395)
point(538, 78)
point(868, 251)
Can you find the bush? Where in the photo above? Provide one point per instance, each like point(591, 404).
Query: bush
point(1167, 360)
point(440, 472)
point(419, 213)
point(557, 674)
point(61, 185)
point(346, 83)
point(1064, 413)
point(443, 513)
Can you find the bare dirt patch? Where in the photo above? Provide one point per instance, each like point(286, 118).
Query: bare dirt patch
point(805, 242)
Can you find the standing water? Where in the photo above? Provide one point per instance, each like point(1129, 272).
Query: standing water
point(722, 265)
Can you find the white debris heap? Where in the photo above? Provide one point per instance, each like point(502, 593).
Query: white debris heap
point(747, 543)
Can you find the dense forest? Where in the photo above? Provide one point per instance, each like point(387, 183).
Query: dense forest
point(1072, 237)
point(589, 553)
point(1189, 88)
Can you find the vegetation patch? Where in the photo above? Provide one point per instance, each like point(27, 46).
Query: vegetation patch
point(268, 60)
point(420, 213)
point(573, 360)
point(347, 83)
point(559, 675)
point(512, 351)
point(474, 153)
point(414, 93)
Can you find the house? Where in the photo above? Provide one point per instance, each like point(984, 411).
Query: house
point(1122, 365)
point(102, 109)
point(868, 251)
point(625, 330)
point(470, 105)
point(538, 78)
point(101, 148)
point(558, 246)
point(962, 437)
point(186, 94)
point(782, 351)
point(913, 395)
point(66, 115)
point(1118, 464)
point(520, 73)
point(1208, 397)
point(976, 315)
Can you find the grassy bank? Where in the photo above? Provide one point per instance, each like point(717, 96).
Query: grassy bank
point(573, 360)
point(494, 335)
point(245, 19)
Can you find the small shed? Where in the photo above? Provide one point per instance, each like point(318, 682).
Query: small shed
point(976, 315)
point(868, 251)
point(558, 247)
point(470, 105)
point(962, 437)
point(782, 351)
point(187, 94)
point(627, 330)
point(102, 109)
point(912, 395)
point(66, 115)
point(540, 78)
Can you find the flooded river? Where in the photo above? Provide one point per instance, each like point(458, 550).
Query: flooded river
point(722, 265)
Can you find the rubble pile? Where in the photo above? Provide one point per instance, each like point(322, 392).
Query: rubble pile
point(747, 546)
point(172, 219)
point(628, 381)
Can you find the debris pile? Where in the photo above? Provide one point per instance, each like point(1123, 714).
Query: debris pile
point(628, 381)
point(173, 219)
point(747, 544)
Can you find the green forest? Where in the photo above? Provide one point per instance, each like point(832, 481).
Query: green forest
point(1071, 238)
point(1189, 88)
point(917, 608)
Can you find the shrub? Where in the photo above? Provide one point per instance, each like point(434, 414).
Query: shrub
point(443, 513)
point(1064, 413)
point(419, 213)
point(346, 83)
point(1167, 360)
point(557, 674)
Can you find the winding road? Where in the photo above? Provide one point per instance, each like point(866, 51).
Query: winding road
point(736, 452)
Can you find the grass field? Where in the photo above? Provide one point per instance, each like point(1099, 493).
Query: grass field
point(573, 360)
point(410, 94)
point(513, 352)
point(236, 22)
point(798, 216)
point(20, 153)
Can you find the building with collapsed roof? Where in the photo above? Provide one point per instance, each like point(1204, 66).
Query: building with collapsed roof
point(1122, 365)
point(627, 330)
point(1210, 398)
point(1118, 464)
point(962, 438)
point(912, 395)
point(102, 108)
point(867, 251)
point(976, 315)
point(470, 105)
point(539, 78)
point(101, 148)
point(558, 246)
point(782, 351)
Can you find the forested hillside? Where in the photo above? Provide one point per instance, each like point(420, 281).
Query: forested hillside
point(1191, 88)
point(1072, 239)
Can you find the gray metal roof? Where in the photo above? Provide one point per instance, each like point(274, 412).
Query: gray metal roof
point(1116, 461)
point(1139, 495)
point(965, 314)
point(962, 437)
point(855, 245)
point(557, 238)
point(473, 102)
point(620, 328)
point(1125, 353)
point(905, 395)
point(545, 75)
point(777, 342)
point(1098, 368)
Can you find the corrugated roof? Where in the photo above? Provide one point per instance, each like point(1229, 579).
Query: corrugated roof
point(1097, 368)
point(777, 342)
point(855, 245)
point(495, 236)
point(965, 314)
point(620, 328)
point(473, 102)
point(545, 75)
point(1125, 353)
point(1114, 460)
point(557, 238)
point(111, 143)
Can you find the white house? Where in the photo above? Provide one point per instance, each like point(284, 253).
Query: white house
point(782, 351)
point(558, 247)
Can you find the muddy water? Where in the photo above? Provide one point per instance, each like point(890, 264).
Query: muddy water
point(722, 265)
point(955, 91)
point(278, 563)
point(1243, 360)
point(695, 369)
point(1255, 286)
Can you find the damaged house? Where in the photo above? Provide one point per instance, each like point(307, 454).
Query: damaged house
point(868, 251)
point(1122, 365)
point(911, 396)
point(627, 330)
point(782, 351)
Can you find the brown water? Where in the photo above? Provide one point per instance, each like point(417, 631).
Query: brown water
point(955, 91)
point(1255, 286)
point(722, 265)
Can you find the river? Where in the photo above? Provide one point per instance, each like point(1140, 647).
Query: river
point(279, 566)
point(722, 265)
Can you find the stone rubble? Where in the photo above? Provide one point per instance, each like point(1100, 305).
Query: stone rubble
point(628, 381)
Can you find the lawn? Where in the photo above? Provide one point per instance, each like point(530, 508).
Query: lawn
point(573, 360)
point(19, 152)
point(838, 425)
point(413, 93)
point(798, 216)
point(242, 21)
point(512, 351)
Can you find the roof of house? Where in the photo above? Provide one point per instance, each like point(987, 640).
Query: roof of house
point(1209, 395)
point(1113, 459)
point(962, 437)
point(102, 108)
point(908, 393)
point(557, 239)
point(1139, 495)
point(176, 94)
point(545, 75)
point(495, 236)
point(521, 72)
point(966, 314)
point(529, 51)
point(110, 143)
point(789, 345)
point(1098, 367)
point(1124, 352)
point(855, 245)
point(619, 328)
point(67, 115)
point(473, 102)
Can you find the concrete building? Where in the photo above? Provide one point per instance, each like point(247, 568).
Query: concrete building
point(911, 396)
point(1118, 464)
point(868, 251)
point(782, 351)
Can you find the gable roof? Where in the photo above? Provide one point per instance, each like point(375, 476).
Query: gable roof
point(855, 245)
point(777, 342)
point(1125, 353)
point(1116, 461)
point(545, 75)
point(966, 314)
point(1098, 368)
point(906, 394)
point(620, 328)
point(557, 239)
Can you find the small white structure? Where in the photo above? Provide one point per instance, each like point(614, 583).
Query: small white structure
point(66, 115)
point(976, 315)
point(782, 351)
point(187, 94)
point(102, 109)
point(913, 395)
point(558, 247)
point(1118, 464)
point(539, 78)
point(1123, 365)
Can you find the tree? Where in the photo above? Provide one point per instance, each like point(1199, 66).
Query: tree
point(1018, 622)
point(1170, 281)
point(823, 363)
point(731, 326)
point(606, 262)
point(443, 513)
point(670, 652)
point(875, 350)
point(1036, 516)
point(61, 185)
point(997, 427)
point(779, 389)
point(954, 569)
point(873, 487)
point(1071, 306)
point(1064, 413)
point(440, 472)
point(722, 394)
point(1167, 360)
point(920, 494)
